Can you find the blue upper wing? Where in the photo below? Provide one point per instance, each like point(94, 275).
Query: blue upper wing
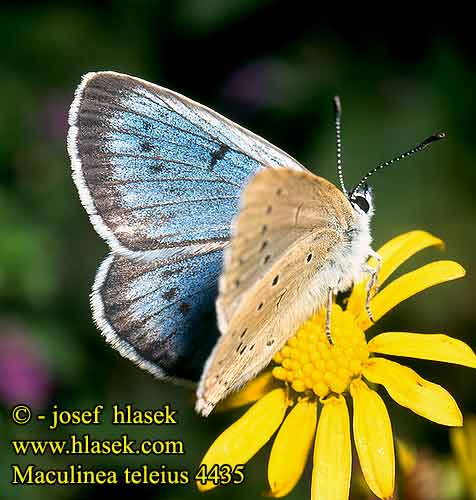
point(160, 177)
point(158, 173)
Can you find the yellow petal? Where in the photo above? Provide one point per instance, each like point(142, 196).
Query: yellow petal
point(237, 444)
point(373, 439)
point(394, 253)
point(408, 285)
point(250, 393)
point(332, 452)
point(408, 389)
point(435, 347)
point(291, 448)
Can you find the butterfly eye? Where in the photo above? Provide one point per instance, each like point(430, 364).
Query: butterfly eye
point(362, 203)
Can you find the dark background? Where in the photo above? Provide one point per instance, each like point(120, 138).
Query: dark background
point(274, 67)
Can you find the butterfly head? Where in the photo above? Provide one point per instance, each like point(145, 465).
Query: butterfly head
point(361, 199)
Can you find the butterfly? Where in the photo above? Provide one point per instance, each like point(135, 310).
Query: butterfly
point(198, 210)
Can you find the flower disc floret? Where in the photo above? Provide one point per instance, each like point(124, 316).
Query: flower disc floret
point(309, 363)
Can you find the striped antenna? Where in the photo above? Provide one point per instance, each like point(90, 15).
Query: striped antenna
point(416, 149)
point(338, 111)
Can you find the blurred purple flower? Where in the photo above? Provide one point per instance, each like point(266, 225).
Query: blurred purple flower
point(24, 377)
point(254, 85)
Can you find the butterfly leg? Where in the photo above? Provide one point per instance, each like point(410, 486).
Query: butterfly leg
point(378, 259)
point(372, 284)
point(328, 316)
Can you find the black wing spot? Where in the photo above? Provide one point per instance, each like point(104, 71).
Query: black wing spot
point(252, 347)
point(146, 146)
point(281, 298)
point(264, 229)
point(172, 272)
point(309, 257)
point(242, 350)
point(237, 283)
point(184, 307)
point(146, 125)
point(243, 333)
point(170, 294)
point(260, 306)
point(263, 245)
point(270, 342)
point(275, 280)
point(266, 259)
point(269, 209)
point(218, 155)
point(239, 347)
point(279, 192)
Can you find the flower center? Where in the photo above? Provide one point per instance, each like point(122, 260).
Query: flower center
point(309, 363)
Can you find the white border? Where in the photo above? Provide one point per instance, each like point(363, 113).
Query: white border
point(78, 175)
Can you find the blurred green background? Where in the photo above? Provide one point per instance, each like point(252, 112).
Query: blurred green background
point(274, 68)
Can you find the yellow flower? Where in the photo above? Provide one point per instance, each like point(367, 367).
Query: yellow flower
point(463, 442)
point(309, 375)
